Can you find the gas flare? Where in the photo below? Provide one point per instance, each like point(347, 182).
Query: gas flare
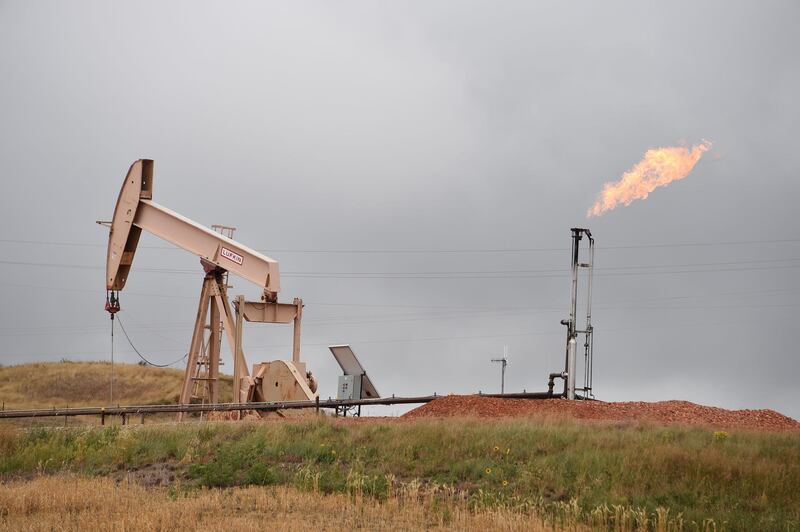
point(659, 167)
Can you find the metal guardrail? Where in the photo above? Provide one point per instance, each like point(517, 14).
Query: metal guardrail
point(125, 411)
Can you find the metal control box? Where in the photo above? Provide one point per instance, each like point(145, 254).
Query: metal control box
point(349, 387)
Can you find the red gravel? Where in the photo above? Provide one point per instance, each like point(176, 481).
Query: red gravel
point(664, 412)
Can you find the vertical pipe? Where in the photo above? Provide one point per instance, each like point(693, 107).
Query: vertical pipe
point(569, 368)
point(296, 340)
point(589, 334)
point(589, 284)
point(573, 309)
point(572, 368)
point(214, 344)
point(591, 363)
point(237, 350)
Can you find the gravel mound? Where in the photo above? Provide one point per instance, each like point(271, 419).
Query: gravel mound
point(664, 412)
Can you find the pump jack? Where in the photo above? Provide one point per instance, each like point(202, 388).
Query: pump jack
point(278, 380)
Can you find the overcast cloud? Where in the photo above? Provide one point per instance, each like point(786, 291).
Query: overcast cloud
point(316, 126)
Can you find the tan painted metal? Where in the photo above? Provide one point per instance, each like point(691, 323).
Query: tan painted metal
point(210, 246)
point(237, 348)
point(282, 380)
point(263, 312)
point(201, 377)
point(134, 212)
point(123, 236)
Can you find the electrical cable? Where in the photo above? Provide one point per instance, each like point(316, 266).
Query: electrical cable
point(372, 305)
point(141, 356)
point(434, 313)
point(474, 250)
point(611, 271)
point(449, 338)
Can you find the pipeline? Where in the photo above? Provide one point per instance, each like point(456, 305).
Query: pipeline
point(551, 382)
point(125, 411)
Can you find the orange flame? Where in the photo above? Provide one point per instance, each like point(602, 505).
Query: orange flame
point(658, 168)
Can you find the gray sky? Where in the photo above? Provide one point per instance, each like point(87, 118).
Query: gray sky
point(417, 126)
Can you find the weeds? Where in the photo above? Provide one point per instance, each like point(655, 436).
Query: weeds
point(632, 478)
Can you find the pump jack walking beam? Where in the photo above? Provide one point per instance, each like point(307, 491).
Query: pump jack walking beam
point(135, 211)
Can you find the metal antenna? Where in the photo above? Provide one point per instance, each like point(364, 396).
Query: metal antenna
point(503, 363)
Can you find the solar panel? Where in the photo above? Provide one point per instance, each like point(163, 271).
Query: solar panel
point(347, 359)
point(351, 366)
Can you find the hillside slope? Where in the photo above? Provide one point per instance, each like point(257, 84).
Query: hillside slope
point(87, 384)
point(614, 477)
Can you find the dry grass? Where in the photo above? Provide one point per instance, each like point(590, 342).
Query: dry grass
point(87, 384)
point(611, 477)
point(77, 503)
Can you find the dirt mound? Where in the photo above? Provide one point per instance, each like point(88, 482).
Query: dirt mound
point(666, 412)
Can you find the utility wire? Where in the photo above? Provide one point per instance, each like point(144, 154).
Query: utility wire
point(479, 274)
point(141, 356)
point(455, 250)
point(441, 338)
point(423, 312)
point(312, 303)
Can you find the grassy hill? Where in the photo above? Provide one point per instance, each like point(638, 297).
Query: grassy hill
point(87, 384)
point(533, 472)
point(560, 473)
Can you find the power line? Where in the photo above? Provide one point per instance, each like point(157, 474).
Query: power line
point(359, 320)
point(435, 311)
point(532, 250)
point(455, 275)
point(479, 274)
point(436, 339)
point(439, 250)
point(394, 305)
point(559, 270)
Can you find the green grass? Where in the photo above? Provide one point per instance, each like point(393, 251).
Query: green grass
point(568, 470)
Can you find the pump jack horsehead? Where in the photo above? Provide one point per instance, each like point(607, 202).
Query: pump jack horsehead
point(279, 380)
